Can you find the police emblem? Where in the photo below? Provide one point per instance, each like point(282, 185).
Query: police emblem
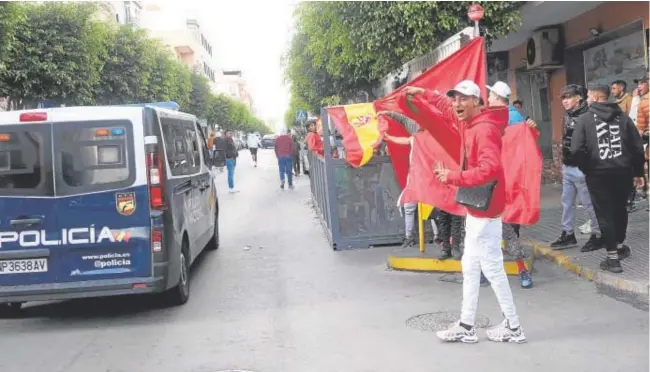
point(125, 203)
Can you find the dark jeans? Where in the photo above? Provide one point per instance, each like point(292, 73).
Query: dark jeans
point(284, 164)
point(609, 193)
point(451, 226)
point(296, 164)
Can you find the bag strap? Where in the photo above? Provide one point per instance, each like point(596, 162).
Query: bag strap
point(463, 150)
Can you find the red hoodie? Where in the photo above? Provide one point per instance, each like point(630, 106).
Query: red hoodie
point(481, 139)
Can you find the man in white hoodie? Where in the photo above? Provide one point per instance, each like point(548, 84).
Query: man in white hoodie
point(254, 143)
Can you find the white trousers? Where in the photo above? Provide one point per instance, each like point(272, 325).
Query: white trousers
point(483, 253)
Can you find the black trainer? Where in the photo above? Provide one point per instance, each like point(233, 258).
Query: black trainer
point(565, 241)
point(593, 244)
point(623, 252)
point(611, 265)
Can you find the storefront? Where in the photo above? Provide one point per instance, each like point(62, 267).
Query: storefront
point(596, 42)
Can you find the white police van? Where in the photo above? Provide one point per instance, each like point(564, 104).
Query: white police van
point(102, 201)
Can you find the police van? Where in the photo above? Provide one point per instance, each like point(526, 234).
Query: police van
point(102, 201)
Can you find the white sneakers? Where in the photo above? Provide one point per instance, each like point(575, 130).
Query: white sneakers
point(500, 333)
point(233, 191)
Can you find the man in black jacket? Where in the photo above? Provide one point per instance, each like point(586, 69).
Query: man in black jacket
point(573, 180)
point(608, 149)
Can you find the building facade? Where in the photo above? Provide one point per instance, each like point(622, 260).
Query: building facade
point(234, 85)
point(122, 12)
point(184, 38)
point(564, 43)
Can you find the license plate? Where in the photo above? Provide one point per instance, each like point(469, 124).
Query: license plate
point(35, 265)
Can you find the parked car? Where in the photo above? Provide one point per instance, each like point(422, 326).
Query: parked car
point(268, 141)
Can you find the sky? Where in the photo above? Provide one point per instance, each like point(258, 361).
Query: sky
point(251, 36)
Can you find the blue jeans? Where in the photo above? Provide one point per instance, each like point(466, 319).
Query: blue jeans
point(230, 165)
point(574, 185)
point(285, 163)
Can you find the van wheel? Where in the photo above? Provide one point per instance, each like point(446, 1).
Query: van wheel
point(11, 309)
point(181, 292)
point(213, 244)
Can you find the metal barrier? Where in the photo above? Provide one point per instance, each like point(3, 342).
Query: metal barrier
point(357, 206)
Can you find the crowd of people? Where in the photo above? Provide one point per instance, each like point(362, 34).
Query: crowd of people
point(604, 161)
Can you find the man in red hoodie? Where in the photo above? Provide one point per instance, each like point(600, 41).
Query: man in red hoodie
point(284, 153)
point(314, 143)
point(481, 132)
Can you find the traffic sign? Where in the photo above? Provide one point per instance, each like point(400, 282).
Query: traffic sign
point(301, 115)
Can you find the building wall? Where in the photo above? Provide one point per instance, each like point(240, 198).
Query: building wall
point(607, 17)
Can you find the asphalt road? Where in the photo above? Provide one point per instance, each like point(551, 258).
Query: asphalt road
point(276, 298)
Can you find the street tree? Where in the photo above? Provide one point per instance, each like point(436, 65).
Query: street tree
point(55, 55)
point(200, 95)
point(341, 50)
point(127, 68)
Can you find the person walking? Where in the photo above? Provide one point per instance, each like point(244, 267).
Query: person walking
point(231, 161)
point(608, 149)
point(499, 96)
point(284, 153)
point(573, 180)
point(296, 156)
point(253, 141)
point(481, 153)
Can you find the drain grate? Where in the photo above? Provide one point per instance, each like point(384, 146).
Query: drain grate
point(438, 321)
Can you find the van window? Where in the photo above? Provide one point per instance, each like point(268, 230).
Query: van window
point(181, 146)
point(93, 156)
point(25, 154)
point(203, 145)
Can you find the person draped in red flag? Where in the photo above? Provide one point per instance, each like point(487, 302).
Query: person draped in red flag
point(481, 134)
point(314, 143)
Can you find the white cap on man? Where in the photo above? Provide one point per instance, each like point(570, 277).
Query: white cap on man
point(501, 89)
point(466, 88)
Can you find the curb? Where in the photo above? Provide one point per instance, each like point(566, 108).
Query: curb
point(594, 275)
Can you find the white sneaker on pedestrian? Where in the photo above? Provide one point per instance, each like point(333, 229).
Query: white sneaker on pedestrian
point(233, 191)
point(585, 228)
point(457, 333)
point(503, 333)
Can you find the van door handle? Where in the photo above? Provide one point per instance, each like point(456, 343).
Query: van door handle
point(204, 185)
point(26, 221)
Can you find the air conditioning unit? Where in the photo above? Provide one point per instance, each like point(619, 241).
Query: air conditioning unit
point(544, 49)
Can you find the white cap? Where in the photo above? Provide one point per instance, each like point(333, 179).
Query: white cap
point(501, 89)
point(466, 88)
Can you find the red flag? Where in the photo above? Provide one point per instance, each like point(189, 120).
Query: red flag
point(422, 185)
point(468, 63)
point(520, 156)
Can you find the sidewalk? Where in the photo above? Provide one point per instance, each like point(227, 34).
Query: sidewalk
point(634, 278)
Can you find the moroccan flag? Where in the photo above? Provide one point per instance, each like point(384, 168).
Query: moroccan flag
point(520, 156)
point(468, 63)
point(359, 127)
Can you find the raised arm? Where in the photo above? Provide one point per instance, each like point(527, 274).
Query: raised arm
point(439, 101)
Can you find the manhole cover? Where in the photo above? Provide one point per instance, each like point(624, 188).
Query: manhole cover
point(441, 320)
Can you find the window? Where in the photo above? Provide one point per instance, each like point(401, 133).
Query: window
point(93, 156)
point(24, 160)
point(203, 145)
point(181, 146)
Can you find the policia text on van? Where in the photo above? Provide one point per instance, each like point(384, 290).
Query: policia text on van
point(102, 201)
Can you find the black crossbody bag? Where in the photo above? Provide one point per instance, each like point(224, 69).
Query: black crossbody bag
point(478, 197)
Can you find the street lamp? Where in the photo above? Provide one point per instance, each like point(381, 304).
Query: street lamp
point(475, 14)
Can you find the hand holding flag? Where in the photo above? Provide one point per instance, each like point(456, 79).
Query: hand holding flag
point(441, 172)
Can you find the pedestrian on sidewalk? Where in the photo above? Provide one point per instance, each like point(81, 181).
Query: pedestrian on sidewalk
point(573, 180)
point(231, 161)
point(296, 156)
point(254, 142)
point(481, 150)
point(608, 149)
point(314, 142)
point(499, 96)
point(284, 153)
